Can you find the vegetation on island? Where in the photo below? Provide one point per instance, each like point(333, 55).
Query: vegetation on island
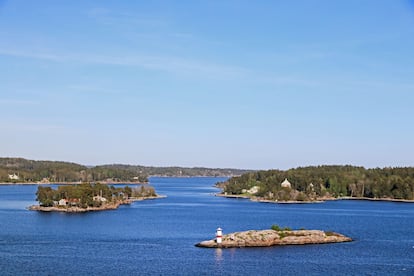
point(90, 195)
point(19, 170)
point(319, 182)
point(276, 227)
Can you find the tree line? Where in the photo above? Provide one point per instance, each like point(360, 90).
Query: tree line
point(318, 181)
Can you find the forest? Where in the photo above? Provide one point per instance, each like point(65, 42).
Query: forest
point(89, 195)
point(311, 183)
point(19, 170)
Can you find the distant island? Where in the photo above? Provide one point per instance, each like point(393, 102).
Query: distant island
point(87, 197)
point(274, 236)
point(320, 183)
point(19, 170)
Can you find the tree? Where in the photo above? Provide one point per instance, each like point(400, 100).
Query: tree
point(45, 196)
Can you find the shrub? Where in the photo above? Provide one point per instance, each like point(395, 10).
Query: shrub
point(276, 227)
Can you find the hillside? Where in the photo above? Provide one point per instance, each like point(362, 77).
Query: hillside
point(20, 170)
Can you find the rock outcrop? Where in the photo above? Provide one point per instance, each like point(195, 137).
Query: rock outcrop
point(264, 238)
point(73, 209)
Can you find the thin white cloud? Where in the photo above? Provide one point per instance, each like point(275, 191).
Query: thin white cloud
point(15, 102)
point(126, 20)
point(198, 68)
point(33, 55)
point(176, 65)
point(19, 126)
point(92, 89)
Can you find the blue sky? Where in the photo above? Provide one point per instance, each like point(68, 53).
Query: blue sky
point(241, 84)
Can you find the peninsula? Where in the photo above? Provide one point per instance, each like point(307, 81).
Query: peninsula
point(88, 197)
point(273, 237)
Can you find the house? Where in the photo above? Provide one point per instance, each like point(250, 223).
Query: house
point(253, 190)
point(99, 198)
point(62, 202)
point(44, 180)
point(286, 184)
point(13, 176)
point(74, 201)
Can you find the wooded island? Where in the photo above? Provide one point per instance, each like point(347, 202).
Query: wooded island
point(310, 184)
point(89, 197)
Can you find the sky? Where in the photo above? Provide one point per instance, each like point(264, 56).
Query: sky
point(229, 84)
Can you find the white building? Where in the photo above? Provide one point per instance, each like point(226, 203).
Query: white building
point(63, 202)
point(253, 190)
point(14, 176)
point(99, 198)
point(286, 184)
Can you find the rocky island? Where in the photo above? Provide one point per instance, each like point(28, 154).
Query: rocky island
point(274, 236)
point(88, 197)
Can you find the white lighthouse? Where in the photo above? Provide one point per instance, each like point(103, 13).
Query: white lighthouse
point(219, 235)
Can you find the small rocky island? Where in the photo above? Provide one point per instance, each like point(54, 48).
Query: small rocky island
point(272, 237)
point(88, 197)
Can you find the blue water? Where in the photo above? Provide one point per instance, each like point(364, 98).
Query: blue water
point(157, 237)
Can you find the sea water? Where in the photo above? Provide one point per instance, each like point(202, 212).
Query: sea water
point(157, 237)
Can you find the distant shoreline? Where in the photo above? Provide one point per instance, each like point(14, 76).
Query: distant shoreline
point(73, 183)
point(110, 182)
point(314, 201)
point(191, 176)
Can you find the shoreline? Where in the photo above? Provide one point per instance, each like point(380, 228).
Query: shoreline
point(376, 199)
point(273, 201)
point(320, 200)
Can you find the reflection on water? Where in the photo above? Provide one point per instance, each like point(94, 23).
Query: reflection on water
point(218, 254)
